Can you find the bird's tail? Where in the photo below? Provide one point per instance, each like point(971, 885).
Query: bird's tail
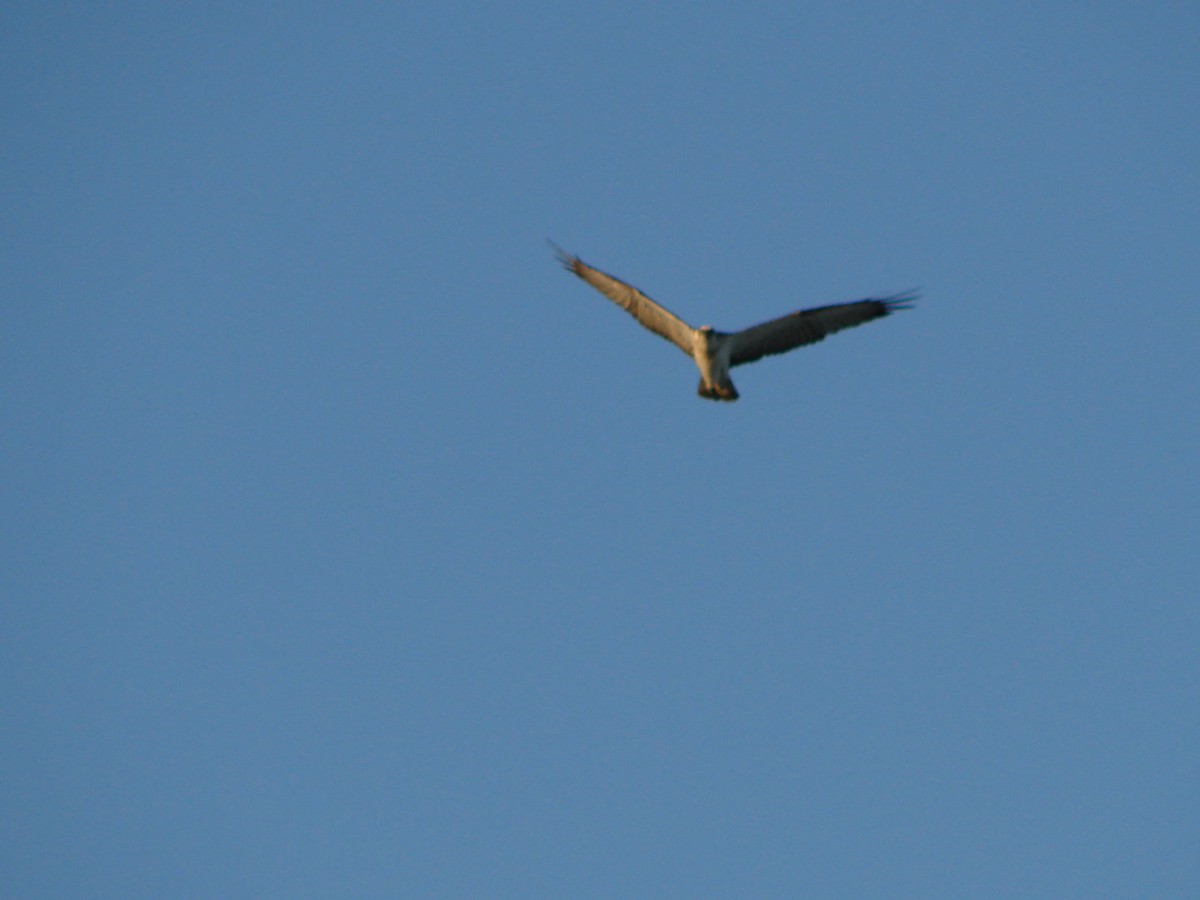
point(724, 391)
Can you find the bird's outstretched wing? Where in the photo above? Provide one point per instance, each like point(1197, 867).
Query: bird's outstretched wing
point(659, 320)
point(809, 326)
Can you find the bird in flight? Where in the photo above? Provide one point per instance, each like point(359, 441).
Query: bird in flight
point(716, 352)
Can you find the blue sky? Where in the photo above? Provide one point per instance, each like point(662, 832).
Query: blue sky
point(352, 548)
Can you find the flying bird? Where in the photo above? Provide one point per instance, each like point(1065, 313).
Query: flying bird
point(716, 352)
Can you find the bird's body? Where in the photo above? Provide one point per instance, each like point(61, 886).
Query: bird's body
point(711, 353)
point(716, 352)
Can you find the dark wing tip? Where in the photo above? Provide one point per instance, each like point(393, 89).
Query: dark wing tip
point(903, 300)
point(569, 261)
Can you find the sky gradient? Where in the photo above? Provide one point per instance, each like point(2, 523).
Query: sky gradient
point(352, 548)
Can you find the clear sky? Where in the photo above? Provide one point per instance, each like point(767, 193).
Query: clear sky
point(352, 548)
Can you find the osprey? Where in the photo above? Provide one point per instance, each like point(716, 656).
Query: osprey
point(716, 352)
